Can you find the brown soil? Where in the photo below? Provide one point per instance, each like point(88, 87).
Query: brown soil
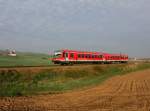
point(130, 92)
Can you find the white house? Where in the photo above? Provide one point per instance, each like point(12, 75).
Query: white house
point(12, 53)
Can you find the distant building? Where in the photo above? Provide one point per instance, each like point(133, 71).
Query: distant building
point(12, 53)
point(135, 58)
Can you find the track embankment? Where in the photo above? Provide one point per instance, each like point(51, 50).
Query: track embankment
point(36, 69)
point(130, 92)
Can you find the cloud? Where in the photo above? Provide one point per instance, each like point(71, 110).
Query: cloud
point(64, 23)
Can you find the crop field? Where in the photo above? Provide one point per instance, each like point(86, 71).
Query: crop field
point(25, 59)
point(116, 87)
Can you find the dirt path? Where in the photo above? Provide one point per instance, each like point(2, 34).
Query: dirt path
point(130, 92)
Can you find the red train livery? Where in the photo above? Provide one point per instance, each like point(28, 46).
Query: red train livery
point(77, 57)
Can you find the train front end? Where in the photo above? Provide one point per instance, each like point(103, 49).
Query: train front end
point(58, 57)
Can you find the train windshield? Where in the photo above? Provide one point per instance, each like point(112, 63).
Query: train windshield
point(57, 54)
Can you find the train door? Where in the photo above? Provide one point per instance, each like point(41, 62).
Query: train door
point(66, 56)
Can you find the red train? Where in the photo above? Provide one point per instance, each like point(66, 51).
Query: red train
point(75, 57)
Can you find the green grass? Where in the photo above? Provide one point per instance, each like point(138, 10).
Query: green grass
point(25, 59)
point(14, 83)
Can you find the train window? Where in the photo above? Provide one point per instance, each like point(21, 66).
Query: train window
point(100, 56)
point(93, 56)
point(57, 56)
point(71, 55)
point(66, 54)
point(82, 55)
point(79, 55)
point(89, 56)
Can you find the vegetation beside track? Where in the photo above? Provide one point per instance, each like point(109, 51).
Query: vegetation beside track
point(25, 59)
point(14, 83)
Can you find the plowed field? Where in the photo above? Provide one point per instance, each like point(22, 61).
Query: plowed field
point(130, 92)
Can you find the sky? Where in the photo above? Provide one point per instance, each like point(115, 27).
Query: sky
point(115, 26)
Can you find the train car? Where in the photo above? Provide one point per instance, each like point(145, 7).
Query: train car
point(115, 58)
point(76, 57)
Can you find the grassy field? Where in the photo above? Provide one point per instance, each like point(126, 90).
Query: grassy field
point(49, 81)
point(25, 59)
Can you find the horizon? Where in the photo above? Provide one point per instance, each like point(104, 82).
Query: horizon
point(51, 53)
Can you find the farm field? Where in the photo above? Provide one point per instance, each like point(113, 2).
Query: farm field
point(129, 92)
point(121, 90)
point(25, 59)
point(24, 81)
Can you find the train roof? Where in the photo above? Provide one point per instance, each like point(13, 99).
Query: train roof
point(110, 54)
point(93, 52)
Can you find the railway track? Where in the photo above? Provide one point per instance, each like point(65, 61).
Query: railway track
point(56, 65)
